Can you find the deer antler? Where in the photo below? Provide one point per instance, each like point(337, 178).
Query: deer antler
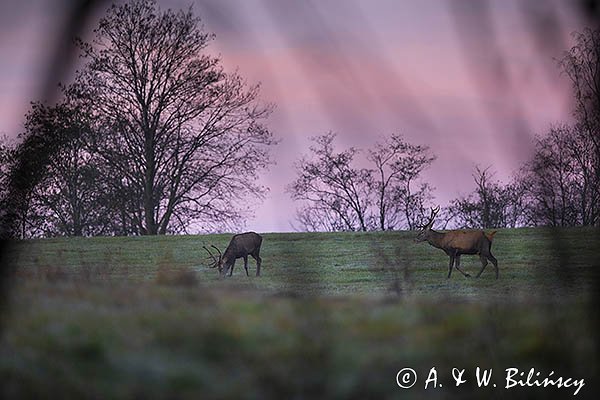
point(217, 249)
point(215, 261)
point(434, 212)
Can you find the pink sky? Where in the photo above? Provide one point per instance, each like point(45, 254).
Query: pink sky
point(474, 86)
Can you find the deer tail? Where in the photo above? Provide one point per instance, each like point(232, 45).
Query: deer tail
point(490, 236)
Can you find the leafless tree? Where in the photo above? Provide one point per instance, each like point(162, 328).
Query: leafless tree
point(581, 64)
point(61, 190)
point(491, 204)
point(179, 137)
point(336, 194)
point(555, 181)
point(400, 197)
point(27, 166)
point(7, 161)
point(69, 195)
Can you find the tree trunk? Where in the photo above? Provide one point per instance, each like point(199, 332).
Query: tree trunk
point(151, 226)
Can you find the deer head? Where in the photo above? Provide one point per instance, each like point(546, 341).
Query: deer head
point(426, 229)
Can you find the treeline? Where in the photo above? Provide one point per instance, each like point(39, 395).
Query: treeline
point(153, 136)
point(558, 186)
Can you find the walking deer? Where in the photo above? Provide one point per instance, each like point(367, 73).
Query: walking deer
point(458, 242)
point(240, 246)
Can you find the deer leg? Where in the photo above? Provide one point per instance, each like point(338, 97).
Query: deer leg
point(457, 266)
point(258, 261)
point(231, 268)
point(450, 266)
point(494, 262)
point(484, 262)
point(246, 265)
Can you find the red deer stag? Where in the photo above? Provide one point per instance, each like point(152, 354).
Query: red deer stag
point(458, 242)
point(240, 246)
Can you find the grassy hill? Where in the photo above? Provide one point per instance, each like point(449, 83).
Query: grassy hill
point(333, 314)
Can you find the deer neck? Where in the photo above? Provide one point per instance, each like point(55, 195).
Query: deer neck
point(435, 238)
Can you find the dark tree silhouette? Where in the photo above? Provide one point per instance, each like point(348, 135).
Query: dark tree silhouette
point(555, 181)
point(27, 165)
point(336, 195)
point(400, 197)
point(180, 139)
point(490, 205)
point(7, 162)
point(55, 175)
point(582, 65)
point(69, 195)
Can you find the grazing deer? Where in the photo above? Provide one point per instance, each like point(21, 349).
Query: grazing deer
point(240, 246)
point(458, 242)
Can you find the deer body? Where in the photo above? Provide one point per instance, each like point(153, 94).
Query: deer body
point(240, 246)
point(459, 242)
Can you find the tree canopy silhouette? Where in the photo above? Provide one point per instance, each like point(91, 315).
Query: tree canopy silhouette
point(338, 195)
point(181, 139)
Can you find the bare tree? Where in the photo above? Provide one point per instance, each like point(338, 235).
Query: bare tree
point(581, 64)
point(180, 138)
point(561, 182)
point(515, 205)
point(7, 161)
point(491, 204)
point(400, 197)
point(554, 180)
point(336, 195)
point(69, 195)
point(25, 169)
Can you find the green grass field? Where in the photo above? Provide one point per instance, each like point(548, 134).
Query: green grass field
point(333, 315)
